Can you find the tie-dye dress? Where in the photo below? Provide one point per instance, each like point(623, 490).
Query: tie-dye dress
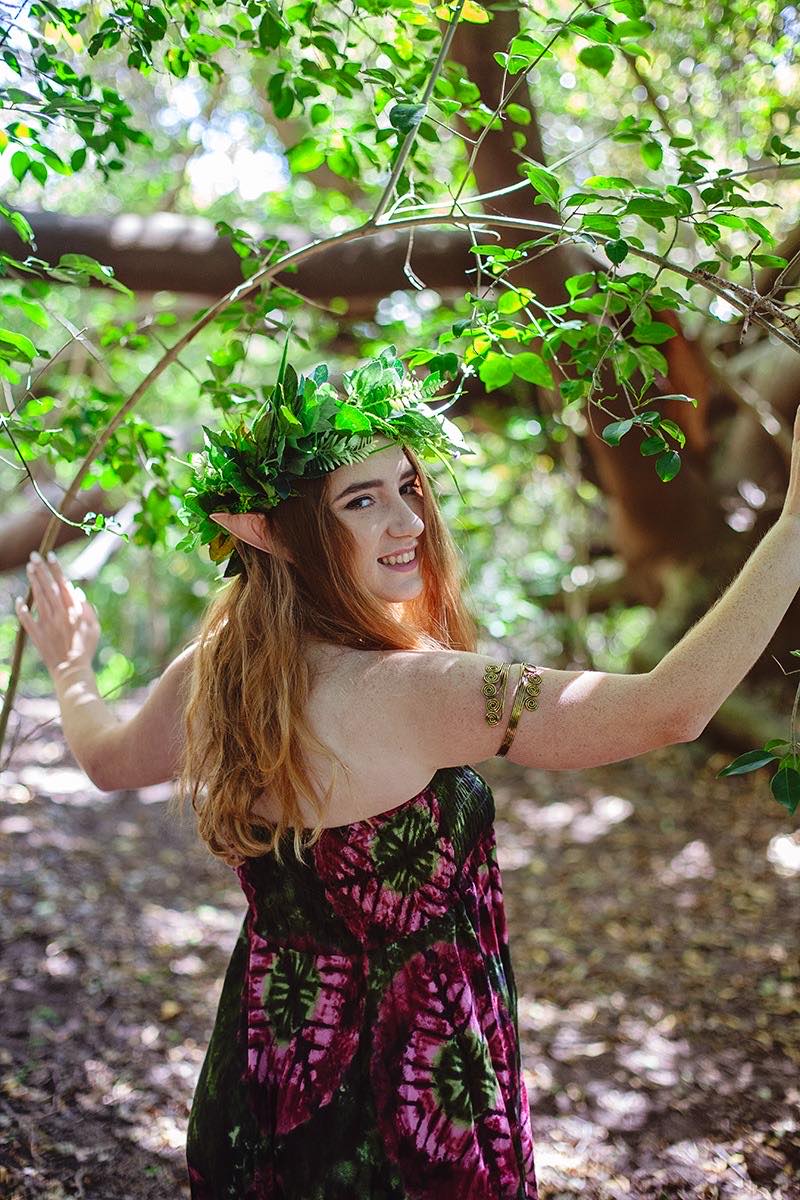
point(365, 1046)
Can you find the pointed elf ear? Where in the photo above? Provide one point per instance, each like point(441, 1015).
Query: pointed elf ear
point(251, 528)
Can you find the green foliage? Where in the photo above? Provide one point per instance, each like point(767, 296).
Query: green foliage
point(785, 783)
point(309, 70)
point(304, 429)
point(519, 523)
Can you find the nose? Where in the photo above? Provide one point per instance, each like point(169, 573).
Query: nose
point(403, 521)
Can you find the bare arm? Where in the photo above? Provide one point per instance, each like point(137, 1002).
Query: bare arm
point(702, 670)
point(586, 718)
point(113, 753)
point(85, 716)
point(147, 749)
point(124, 754)
point(715, 655)
point(65, 632)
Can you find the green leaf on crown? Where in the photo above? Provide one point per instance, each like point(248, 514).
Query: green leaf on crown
point(352, 419)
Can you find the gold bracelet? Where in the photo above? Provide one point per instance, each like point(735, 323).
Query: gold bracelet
point(526, 695)
point(494, 680)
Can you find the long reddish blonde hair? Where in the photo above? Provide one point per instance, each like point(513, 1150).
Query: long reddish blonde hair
point(245, 724)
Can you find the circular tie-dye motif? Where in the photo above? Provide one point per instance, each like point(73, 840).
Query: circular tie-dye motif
point(393, 878)
point(435, 1074)
point(463, 1078)
point(304, 1017)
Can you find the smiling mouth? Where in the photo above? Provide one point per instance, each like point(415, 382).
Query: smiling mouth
point(406, 558)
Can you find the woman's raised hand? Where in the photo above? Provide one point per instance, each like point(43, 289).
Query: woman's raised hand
point(791, 505)
point(67, 630)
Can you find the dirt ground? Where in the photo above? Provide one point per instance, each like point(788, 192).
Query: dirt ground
point(653, 919)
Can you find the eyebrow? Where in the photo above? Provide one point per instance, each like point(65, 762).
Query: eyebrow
point(411, 473)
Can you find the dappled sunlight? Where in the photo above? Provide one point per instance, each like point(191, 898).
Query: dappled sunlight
point(63, 785)
point(783, 853)
point(582, 820)
point(58, 783)
point(573, 1152)
point(180, 1067)
point(156, 793)
point(653, 1053)
point(9, 825)
point(617, 1108)
point(56, 837)
point(122, 928)
point(605, 813)
point(692, 862)
point(657, 973)
point(11, 791)
point(569, 1043)
point(59, 963)
point(187, 964)
point(155, 1134)
point(204, 926)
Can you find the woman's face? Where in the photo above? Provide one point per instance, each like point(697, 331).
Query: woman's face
point(380, 503)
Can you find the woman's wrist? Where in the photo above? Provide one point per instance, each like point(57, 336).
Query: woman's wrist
point(85, 717)
point(66, 673)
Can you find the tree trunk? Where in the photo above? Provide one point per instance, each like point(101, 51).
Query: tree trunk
point(673, 537)
point(652, 523)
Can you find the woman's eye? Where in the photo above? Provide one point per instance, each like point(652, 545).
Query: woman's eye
point(413, 484)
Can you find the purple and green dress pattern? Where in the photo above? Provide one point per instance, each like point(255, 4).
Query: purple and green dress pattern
point(366, 1040)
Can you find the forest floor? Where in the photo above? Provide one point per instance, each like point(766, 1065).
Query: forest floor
point(653, 921)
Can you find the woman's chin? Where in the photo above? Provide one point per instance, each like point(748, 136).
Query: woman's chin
point(407, 589)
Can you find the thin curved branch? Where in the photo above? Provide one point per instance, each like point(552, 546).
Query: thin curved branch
point(505, 97)
point(405, 149)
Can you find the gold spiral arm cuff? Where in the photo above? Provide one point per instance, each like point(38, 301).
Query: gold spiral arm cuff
point(494, 690)
point(526, 695)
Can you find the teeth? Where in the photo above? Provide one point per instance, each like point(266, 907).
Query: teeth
point(392, 559)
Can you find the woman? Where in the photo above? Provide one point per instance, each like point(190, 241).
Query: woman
point(366, 1040)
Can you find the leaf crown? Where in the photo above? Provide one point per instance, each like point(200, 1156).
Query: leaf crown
point(305, 429)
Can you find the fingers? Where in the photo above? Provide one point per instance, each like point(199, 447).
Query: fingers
point(64, 585)
point(52, 592)
point(40, 600)
point(45, 590)
point(29, 625)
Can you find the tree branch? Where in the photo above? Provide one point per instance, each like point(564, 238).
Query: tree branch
point(405, 149)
